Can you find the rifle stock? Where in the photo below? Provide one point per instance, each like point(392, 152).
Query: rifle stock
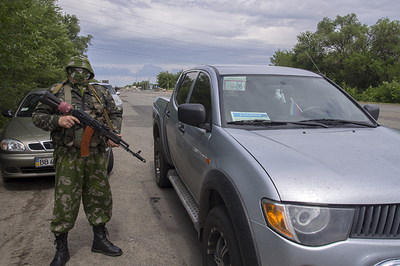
point(87, 120)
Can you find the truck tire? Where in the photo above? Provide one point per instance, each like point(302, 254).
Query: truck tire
point(220, 245)
point(161, 167)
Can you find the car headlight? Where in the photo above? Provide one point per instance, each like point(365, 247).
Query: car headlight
point(309, 225)
point(12, 145)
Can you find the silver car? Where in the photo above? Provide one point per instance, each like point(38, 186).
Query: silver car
point(27, 151)
point(279, 166)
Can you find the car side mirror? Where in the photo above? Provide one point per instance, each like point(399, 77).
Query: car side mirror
point(7, 113)
point(373, 110)
point(118, 93)
point(193, 114)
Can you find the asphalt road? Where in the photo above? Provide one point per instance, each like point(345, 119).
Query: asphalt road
point(149, 224)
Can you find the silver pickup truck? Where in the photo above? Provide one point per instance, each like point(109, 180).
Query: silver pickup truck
point(279, 166)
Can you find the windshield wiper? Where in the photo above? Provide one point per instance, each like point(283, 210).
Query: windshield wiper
point(277, 123)
point(340, 121)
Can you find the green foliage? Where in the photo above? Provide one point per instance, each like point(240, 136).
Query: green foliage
point(167, 80)
point(385, 93)
point(36, 44)
point(350, 53)
point(388, 92)
point(282, 58)
point(142, 84)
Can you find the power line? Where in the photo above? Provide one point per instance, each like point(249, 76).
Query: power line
point(142, 55)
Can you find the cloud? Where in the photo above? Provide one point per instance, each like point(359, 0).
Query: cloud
point(149, 71)
point(134, 39)
point(112, 71)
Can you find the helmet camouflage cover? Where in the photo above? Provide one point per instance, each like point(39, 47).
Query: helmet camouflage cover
point(80, 61)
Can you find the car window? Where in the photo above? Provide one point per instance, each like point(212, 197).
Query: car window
point(185, 87)
point(29, 105)
point(285, 98)
point(110, 89)
point(202, 92)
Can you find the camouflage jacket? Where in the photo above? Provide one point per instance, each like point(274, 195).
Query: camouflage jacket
point(46, 117)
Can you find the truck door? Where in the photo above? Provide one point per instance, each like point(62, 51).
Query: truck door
point(191, 142)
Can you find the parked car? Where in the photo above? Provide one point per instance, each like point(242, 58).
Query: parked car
point(27, 151)
point(115, 95)
point(279, 166)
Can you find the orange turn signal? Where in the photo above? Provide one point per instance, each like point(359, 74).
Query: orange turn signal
point(276, 218)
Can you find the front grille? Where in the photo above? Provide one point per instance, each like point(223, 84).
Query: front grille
point(41, 146)
point(376, 221)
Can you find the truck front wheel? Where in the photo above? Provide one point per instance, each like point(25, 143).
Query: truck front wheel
point(220, 245)
point(161, 167)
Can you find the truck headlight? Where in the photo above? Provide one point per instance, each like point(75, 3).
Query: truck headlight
point(12, 145)
point(309, 225)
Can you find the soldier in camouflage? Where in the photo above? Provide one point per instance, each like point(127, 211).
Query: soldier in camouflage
point(80, 177)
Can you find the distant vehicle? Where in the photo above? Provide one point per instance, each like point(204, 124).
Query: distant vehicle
point(26, 150)
point(279, 166)
point(114, 94)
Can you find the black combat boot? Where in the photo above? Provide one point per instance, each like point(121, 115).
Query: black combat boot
point(62, 253)
point(101, 243)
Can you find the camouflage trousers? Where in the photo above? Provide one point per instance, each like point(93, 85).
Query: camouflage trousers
point(80, 178)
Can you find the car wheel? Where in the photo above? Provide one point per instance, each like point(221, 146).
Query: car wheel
point(161, 167)
point(110, 165)
point(220, 245)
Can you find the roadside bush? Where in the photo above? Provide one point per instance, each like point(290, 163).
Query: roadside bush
point(385, 93)
point(352, 91)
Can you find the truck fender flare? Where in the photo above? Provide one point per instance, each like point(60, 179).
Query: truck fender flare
point(217, 189)
point(158, 132)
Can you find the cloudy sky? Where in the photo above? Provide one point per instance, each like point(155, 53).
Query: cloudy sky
point(135, 40)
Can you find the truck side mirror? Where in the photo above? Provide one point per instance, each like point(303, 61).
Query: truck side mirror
point(193, 114)
point(373, 109)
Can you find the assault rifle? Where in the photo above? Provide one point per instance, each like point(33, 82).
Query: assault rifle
point(87, 120)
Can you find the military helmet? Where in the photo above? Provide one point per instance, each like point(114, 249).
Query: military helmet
point(80, 61)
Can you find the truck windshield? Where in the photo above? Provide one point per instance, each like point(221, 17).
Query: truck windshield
point(247, 98)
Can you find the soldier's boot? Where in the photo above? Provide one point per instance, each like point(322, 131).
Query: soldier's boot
point(101, 243)
point(62, 254)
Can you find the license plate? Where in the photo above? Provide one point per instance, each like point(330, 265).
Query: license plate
point(43, 162)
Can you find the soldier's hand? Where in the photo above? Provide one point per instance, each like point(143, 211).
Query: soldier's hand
point(67, 121)
point(112, 144)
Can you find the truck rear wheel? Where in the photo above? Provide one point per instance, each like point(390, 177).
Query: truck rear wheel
point(161, 167)
point(220, 245)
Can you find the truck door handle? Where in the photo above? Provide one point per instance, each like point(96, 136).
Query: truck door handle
point(167, 114)
point(181, 128)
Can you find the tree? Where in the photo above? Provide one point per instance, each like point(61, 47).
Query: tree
point(282, 58)
point(81, 43)
point(348, 51)
point(36, 46)
point(167, 80)
point(385, 45)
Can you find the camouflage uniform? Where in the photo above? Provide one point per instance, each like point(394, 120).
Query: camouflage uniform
point(79, 177)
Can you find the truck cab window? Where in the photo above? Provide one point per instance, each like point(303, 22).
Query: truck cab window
point(185, 86)
point(202, 92)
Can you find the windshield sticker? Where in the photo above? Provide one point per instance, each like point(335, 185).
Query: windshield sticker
point(248, 116)
point(24, 109)
point(235, 83)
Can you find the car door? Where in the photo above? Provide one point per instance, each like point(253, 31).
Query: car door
point(191, 141)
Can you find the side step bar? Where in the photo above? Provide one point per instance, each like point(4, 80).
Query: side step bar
point(185, 196)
